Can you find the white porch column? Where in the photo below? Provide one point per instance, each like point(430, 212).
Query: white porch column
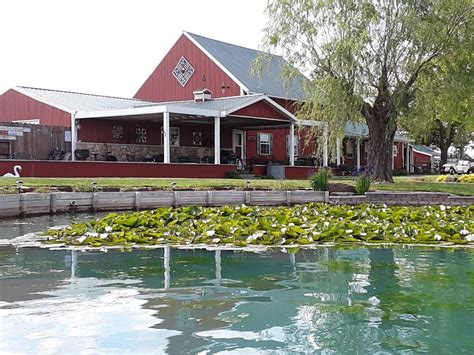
point(338, 151)
point(73, 135)
point(407, 158)
point(393, 159)
point(166, 138)
point(217, 140)
point(292, 144)
point(325, 146)
point(358, 153)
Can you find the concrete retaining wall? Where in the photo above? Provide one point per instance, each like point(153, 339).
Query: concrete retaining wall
point(57, 202)
point(43, 203)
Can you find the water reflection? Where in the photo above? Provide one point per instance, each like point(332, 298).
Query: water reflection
point(361, 300)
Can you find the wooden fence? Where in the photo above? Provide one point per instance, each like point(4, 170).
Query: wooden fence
point(43, 203)
point(28, 141)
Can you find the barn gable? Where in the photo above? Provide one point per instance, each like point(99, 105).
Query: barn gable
point(195, 70)
point(224, 68)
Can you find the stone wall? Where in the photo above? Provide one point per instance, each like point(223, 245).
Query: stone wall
point(404, 198)
point(120, 151)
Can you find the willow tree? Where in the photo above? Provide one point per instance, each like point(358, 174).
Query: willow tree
point(442, 113)
point(363, 58)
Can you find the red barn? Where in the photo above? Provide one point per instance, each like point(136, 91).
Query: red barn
point(201, 105)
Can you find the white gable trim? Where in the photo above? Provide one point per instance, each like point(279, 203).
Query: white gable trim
point(42, 100)
point(281, 108)
point(420, 152)
point(258, 98)
point(219, 64)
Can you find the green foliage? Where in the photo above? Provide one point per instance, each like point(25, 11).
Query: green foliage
point(362, 184)
point(279, 226)
point(232, 174)
point(442, 113)
point(320, 181)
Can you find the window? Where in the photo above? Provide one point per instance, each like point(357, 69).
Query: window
point(395, 150)
point(350, 148)
point(174, 136)
point(296, 143)
point(264, 144)
point(366, 149)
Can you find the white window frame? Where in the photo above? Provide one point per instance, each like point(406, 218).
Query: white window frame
point(266, 143)
point(395, 150)
point(176, 134)
point(350, 148)
point(296, 143)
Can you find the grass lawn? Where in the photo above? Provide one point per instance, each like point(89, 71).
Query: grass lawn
point(402, 183)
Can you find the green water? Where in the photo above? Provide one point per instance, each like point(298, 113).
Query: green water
point(328, 301)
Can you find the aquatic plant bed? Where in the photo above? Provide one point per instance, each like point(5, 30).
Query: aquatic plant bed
point(243, 226)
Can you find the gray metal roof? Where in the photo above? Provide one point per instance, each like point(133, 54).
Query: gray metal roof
point(74, 101)
point(356, 129)
point(219, 104)
point(238, 60)
point(423, 149)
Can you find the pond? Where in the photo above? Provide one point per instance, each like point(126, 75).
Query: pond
point(325, 300)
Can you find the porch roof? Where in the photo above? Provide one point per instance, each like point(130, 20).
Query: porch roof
point(220, 107)
point(354, 129)
point(423, 149)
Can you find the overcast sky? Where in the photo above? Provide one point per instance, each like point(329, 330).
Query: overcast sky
point(110, 47)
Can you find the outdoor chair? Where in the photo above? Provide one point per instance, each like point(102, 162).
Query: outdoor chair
point(82, 154)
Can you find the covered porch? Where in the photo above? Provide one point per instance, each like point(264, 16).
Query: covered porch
point(189, 132)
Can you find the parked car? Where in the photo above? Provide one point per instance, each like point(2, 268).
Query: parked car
point(461, 167)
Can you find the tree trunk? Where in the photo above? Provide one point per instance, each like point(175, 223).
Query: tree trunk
point(444, 154)
point(445, 139)
point(381, 149)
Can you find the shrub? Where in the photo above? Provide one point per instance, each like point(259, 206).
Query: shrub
point(320, 181)
point(467, 178)
point(447, 178)
point(362, 184)
point(232, 174)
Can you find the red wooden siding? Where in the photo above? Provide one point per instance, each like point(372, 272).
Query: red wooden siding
point(114, 169)
point(16, 106)
point(289, 105)
point(299, 172)
point(100, 131)
point(260, 109)
point(279, 144)
point(421, 160)
point(399, 159)
point(163, 86)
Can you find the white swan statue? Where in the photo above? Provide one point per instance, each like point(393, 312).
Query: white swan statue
point(16, 172)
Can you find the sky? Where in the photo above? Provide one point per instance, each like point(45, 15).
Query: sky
point(110, 47)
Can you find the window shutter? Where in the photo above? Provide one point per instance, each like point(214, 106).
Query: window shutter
point(271, 143)
point(288, 145)
point(258, 144)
